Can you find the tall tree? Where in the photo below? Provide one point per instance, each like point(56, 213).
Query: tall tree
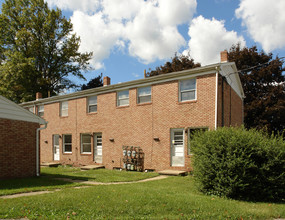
point(178, 63)
point(37, 50)
point(263, 82)
point(93, 83)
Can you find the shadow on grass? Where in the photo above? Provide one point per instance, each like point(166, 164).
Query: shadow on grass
point(72, 177)
point(30, 183)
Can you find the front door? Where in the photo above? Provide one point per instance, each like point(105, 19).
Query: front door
point(98, 148)
point(56, 147)
point(177, 147)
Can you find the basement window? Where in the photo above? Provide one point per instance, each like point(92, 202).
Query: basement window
point(64, 109)
point(67, 143)
point(187, 90)
point(144, 95)
point(41, 110)
point(123, 98)
point(86, 143)
point(92, 104)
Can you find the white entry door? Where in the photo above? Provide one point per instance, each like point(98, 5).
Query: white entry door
point(98, 148)
point(56, 147)
point(177, 147)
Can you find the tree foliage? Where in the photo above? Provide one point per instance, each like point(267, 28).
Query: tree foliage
point(93, 83)
point(178, 63)
point(38, 50)
point(264, 87)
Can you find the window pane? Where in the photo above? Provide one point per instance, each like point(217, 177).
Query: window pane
point(64, 105)
point(64, 112)
point(188, 95)
point(41, 108)
point(67, 138)
point(86, 138)
point(123, 94)
point(92, 100)
point(68, 148)
point(144, 99)
point(92, 108)
point(56, 139)
point(188, 84)
point(144, 91)
point(123, 102)
point(86, 148)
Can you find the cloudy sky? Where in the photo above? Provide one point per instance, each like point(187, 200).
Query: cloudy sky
point(128, 36)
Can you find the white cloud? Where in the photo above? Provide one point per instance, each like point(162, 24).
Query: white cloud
point(146, 28)
point(265, 22)
point(72, 5)
point(208, 38)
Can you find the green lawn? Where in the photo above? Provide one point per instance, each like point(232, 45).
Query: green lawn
point(23, 185)
point(171, 198)
point(100, 175)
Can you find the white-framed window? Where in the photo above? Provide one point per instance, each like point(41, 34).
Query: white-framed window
point(64, 108)
point(144, 94)
point(86, 143)
point(67, 143)
point(123, 98)
point(41, 110)
point(31, 109)
point(92, 104)
point(187, 90)
point(190, 134)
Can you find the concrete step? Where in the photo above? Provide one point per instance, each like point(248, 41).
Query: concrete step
point(92, 167)
point(173, 172)
point(50, 164)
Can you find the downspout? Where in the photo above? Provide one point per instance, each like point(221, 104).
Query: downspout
point(38, 149)
point(216, 100)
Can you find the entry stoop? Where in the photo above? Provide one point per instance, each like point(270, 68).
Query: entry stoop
point(50, 164)
point(92, 167)
point(173, 172)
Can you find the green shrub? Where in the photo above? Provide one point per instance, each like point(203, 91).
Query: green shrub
point(240, 164)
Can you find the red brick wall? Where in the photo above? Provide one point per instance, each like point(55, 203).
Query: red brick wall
point(134, 125)
point(17, 148)
point(233, 111)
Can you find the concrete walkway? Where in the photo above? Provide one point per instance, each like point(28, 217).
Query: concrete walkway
point(79, 187)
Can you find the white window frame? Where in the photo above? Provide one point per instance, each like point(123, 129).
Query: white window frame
point(189, 90)
point(65, 144)
point(41, 110)
point(63, 109)
point(119, 99)
point(31, 109)
point(138, 95)
point(82, 144)
point(94, 104)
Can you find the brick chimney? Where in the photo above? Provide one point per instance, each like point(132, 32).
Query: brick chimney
point(106, 81)
point(38, 95)
point(224, 56)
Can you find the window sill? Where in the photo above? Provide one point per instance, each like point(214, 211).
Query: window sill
point(142, 104)
point(66, 153)
point(123, 106)
point(91, 113)
point(187, 102)
point(63, 116)
point(85, 154)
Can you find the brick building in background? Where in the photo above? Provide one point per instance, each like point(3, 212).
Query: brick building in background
point(18, 152)
point(157, 114)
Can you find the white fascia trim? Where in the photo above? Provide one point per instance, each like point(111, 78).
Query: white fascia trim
point(186, 74)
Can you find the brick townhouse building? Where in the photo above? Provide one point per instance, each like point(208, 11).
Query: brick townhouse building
point(18, 140)
point(155, 115)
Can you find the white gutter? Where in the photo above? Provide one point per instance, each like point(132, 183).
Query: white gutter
point(38, 149)
point(216, 101)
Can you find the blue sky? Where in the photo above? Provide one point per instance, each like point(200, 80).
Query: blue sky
point(128, 36)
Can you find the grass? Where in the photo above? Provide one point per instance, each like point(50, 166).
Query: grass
point(171, 198)
point(99, 175)
point(23, 185)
